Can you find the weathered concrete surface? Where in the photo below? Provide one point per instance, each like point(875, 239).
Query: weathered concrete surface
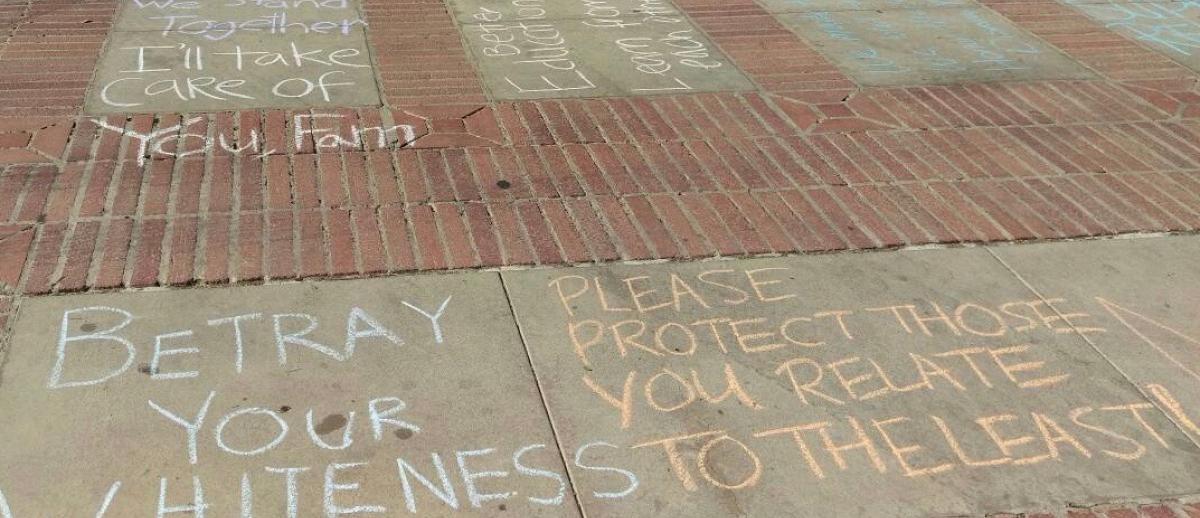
point(1171, 27)
point(1148, 291)
point(559, 48)
point(930, 46)
point(215, 20)
point(938, 382)
point(184, 56)
point(839, 391)
point(858, 5)
point(67, 439)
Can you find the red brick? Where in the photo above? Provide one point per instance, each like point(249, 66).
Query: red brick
point(1139, 201)
point(186, 197)
point(539, 233)
point(740, 164)
point(1157, 511)
point(592, 231)
point(960, 215)
point(880, 229)
point(313, 258)
point(280, 251)
point(566, 233)
point(249, 252)
point(429, 251)
point(539, 133)
point(824, 229)
point(720, 171)
point(113, 258)
point(182, 259)
point(515, 247)
point(342, 245)
point(692, 242)
point(631, 241)
point(639, 169)
point(217, 249)
point(540, 181)
point(558, 122)
point(61, 201)
point(36, 193)
point(593, 179)
point(1192, 510)
point(828, 207)
point(397, 238)
point(626, 116)
point(1001, 207)
point(774, 234)
point(436, 174)
point(460, 250)
point(801, 236)
point(14, 249)
point(675, 178)
point(149, 235)
point(845, 169)
point(870, 197)
point(739, 225)
point(560, 172)
point(789, 171)
point(927, 225)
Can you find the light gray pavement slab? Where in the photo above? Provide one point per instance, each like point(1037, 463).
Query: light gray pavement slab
point(859, 5)
point(143, 71)
point(1171, 27)
point(912, 383)
point(459, 395)
point(894, 47)
point(197, 55)
point(558, 48)
point(842, 400)
point(215, 19)
point(1148, 292)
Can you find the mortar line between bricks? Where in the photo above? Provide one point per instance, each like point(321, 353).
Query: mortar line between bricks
point(1087, 339)
point(541, 393)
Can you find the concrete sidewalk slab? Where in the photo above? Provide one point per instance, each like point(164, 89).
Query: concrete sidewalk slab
point(396, 379)
point(186, 56)
point(949, 382)
point(145, 71)
point(1149, 294)
point(933, 381)
point(860, 5)
point(930, 46)
point(213, 20)
point(529, 50)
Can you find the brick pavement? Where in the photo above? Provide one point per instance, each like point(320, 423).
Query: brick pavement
point(809, 160)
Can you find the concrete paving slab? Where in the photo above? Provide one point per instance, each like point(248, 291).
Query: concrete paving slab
point(932, 381)
point(216, 20)
point(558, 48)
point(1171, 27)
point(931, 46)
point(145, 71)
point(1148, 294)
point(386, 396)
point(859, 5)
